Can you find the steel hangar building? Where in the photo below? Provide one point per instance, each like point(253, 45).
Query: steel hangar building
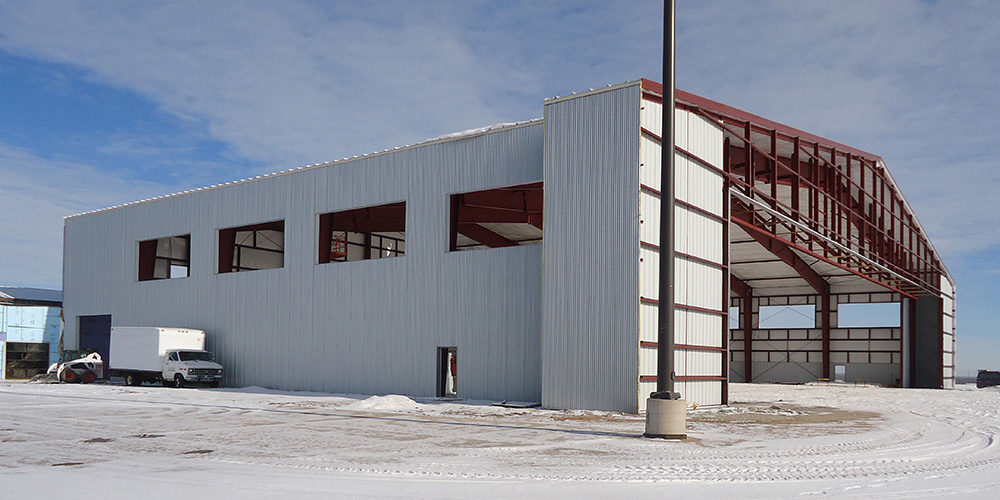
point(519, 262)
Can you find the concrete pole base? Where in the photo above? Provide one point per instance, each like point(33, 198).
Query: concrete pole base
point(666, 418)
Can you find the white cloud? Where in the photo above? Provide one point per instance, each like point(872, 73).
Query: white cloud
point(284, 83)
point(913, 82)
point(35, 195)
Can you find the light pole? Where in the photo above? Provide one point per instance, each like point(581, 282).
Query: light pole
point(665, 410)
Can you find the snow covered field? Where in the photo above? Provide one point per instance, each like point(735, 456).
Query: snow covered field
point(774, 441)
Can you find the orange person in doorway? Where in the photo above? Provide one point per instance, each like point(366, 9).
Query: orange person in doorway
point(453, 366)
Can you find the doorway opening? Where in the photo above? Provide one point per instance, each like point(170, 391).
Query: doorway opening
point(447, 379)
point(839, 373)
point(95, 335)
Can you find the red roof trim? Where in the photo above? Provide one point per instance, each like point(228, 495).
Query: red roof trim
point(744, 116)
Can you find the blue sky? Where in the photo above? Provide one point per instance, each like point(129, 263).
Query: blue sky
point(106, 102)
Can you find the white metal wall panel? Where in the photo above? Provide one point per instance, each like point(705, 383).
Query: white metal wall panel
point(698, 328)
point(948, 332)
point(649, 159)
point(784, 372)
point(591, 293)
point(647, 323)
point(697, 234)
point(702, 392)
point(737, 373)
point(649, 265)
point(881, 374)
point(703, 363)
point(365, 327)
point(698, 284)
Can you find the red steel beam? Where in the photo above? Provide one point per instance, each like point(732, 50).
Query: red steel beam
point(499, 215)
point(367, 225)
point(227, 249)
point(484, 236)
point(825, 317)
point(780, 249)
point(746, 312)
point(743, 116)
point(527, 198)
point(739, 286)
point(147, 259)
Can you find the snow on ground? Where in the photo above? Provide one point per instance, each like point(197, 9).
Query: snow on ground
point(773, 441)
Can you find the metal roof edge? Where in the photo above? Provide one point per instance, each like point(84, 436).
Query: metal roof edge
point(656, 88)
point(428, 142)
point(576, 95)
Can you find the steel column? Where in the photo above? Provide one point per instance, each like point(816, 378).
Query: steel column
point(665, 374)
point(825, 319)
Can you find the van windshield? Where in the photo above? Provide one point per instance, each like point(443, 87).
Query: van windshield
point(196, 356)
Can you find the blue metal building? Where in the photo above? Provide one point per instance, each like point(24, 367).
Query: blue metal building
point(30, 328)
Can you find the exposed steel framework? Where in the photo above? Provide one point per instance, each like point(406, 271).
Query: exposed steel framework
point(839, 204)
point(809, 216)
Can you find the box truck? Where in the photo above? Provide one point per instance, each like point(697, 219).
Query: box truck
point(173, 356)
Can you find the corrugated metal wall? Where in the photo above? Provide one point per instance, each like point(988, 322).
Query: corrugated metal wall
point(948, 333)
point(699, 266)
point(368, 327)
point(591, 296)
point(29, 324)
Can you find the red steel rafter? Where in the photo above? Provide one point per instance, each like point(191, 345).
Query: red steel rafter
point(842, 193)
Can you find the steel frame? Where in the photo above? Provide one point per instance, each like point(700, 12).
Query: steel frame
point(833, 201)
point(805, 198)
point(512, 205)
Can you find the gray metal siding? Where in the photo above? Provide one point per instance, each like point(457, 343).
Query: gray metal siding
point(365, 327)
point(591, 293)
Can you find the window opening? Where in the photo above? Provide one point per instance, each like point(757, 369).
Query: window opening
point(868, 315)
point(493, 218)
point(734, 317)
point(252, 248)
point(787, 317)
point(165, 258)
point(376, 232)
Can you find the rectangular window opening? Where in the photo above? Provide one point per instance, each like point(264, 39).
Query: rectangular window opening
point(502, 217)
point(377, 232)
point(252, 248)
point(868, 315)
point(787, 317)
point(165, 258)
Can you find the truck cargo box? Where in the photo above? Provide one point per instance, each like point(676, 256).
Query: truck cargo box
point(141, 348)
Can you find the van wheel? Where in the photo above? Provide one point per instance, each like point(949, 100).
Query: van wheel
point(178, 380)
point(132, 380)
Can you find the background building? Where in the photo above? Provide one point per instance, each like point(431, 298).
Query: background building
point(29, 330)
point(377, 274)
